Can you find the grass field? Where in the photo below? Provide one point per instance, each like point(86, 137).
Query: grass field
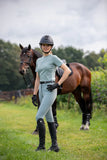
point(17, 142)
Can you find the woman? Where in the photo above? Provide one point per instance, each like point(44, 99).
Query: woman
point(45, 83)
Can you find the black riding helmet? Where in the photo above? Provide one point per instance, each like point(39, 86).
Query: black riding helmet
point(46, 40)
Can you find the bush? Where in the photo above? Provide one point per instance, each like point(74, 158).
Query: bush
point(67, 101)
point(25, 101)
point(99, 86)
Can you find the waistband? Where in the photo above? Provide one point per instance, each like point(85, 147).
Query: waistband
point(44, 82)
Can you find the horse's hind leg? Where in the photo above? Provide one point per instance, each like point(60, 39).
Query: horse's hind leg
point(54, 113)
point(88, 106)
point(78, 96)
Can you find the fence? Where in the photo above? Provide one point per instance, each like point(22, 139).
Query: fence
point(13, 95)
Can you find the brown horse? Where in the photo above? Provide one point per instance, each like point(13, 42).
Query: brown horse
point(79, 83)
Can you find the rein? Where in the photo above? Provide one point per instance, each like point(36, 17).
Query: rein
point(30, 58)
point(27, 78)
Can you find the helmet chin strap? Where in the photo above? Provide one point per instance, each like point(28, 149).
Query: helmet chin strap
point(46, 52)
point(43, 51)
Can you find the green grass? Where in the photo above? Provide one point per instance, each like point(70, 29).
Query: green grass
point(17, 142)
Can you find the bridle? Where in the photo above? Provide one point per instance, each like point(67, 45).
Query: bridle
point(30, 58)
point(28, 75)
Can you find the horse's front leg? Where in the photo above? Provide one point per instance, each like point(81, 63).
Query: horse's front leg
point(55, 113)
point(81, 102)
point(85, 121)
point(36, 131)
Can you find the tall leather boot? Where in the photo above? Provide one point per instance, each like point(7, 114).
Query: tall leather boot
point(52, 130)
point(41, 127)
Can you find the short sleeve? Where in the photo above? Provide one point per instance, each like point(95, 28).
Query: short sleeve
point(57, 61)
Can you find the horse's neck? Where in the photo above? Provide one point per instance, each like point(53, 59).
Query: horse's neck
point(36, 55)
point(33, 71)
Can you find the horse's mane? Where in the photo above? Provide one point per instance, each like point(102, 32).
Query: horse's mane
point(37, 54)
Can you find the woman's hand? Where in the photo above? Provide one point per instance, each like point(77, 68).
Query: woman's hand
point(52, 87)
point(34, 100)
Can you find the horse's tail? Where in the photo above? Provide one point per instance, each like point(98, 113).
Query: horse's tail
point(91, 104)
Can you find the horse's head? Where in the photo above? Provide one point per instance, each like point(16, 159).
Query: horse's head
point(26, 59)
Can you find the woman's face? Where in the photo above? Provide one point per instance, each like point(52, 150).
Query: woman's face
point(46, 47)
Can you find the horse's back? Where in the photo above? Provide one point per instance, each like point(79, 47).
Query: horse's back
point(81, 77)
point(84, 73)
point(83, 70)
point(80, 67)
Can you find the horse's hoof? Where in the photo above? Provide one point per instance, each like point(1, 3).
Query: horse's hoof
point(82, 127)
point(86, 128)
point(35, 132)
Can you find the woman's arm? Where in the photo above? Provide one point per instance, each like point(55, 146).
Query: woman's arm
point(65, 75)
point(36, 87)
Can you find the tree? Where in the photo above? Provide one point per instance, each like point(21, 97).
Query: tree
point(10, 79)
point(103, 61)
point(70, 54)
point(92, 60)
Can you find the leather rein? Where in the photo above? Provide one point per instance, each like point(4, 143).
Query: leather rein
point(28, 76)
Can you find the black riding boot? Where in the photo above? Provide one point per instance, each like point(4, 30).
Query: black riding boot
point(52, 130)
point(56, 122)
point(41, 127)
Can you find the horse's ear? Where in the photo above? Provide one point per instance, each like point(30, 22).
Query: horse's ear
point(29, 47)
point(20, 46)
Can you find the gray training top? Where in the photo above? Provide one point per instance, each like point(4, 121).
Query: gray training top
point(46, 67)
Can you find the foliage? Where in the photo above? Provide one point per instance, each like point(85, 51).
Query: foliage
point(10, 79)
point(70, 54)
point(25, 101)
point(103, 61)
point(91, 60)
point(99, 86)
point(67, 101)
